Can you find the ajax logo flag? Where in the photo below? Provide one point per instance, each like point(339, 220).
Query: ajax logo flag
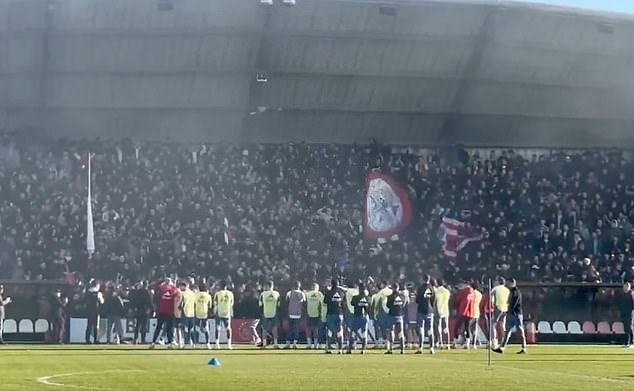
point(388, 210)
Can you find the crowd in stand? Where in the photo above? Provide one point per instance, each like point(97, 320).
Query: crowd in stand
point(295, 211)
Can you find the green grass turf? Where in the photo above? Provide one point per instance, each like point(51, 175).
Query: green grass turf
point(130, 369)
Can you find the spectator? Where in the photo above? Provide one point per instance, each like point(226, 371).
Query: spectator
point(295, 212)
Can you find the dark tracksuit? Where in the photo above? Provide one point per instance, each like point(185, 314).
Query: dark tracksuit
point(93, 310)
point(142, 303)
point(57, 319)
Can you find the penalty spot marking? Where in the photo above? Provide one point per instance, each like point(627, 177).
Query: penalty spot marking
point(50, 380)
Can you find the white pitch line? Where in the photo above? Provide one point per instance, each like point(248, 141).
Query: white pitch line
point(570, 375)
point(47, 380)
point(535, 371)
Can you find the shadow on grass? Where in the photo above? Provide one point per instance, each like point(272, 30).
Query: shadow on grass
point(545, 360)
point(142, 352)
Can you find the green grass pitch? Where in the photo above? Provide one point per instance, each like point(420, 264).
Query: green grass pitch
point(28, 368)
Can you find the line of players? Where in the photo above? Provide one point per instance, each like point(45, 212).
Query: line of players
point(398, 312)
point(183, 311)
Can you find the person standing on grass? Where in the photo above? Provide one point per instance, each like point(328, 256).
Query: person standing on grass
point(189, 311)
point(475, 314)
point(626, 308)
point(425, 313)
point(295, 300)
point(94, 303)
point(411, 318)
point(251, 311)
point(314, 303)
point(107, 310)
point(500, 298)
point(203, 310)
point(464, 303)
point(141, 302)
point(394, 306)
point(167, 299)
point(4, 302)
point(486, 308)
point(269, 305)
point(179, 325)
point(223, 305)
point(359, 322)
point(334, 302)
point(515, 317)
point(376, 314)
point(441, 304)
point(351, 292)
point(57, 318)
point(116, 311)
point(381, 317)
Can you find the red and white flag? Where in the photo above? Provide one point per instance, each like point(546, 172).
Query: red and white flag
point(388, 209)
point(454, 236)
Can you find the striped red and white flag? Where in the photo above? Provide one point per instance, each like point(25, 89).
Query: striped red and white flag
point(454, 238)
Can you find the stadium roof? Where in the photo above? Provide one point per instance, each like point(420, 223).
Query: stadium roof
point(577, 6)
point(423, 72)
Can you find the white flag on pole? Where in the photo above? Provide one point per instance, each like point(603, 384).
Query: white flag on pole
point(90, 234)
point(227, 237)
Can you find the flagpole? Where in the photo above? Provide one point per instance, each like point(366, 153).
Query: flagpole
point(490, 324)
point(90, 234)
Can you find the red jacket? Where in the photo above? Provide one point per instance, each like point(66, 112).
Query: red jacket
point(166, 298)
point(487, 304)
point(465, 302)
